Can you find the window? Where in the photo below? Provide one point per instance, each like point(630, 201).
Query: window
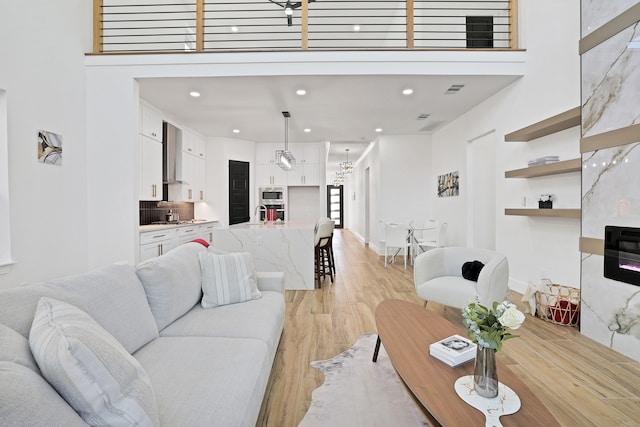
point(479, 31)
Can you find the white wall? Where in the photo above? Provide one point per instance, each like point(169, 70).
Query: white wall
point(219, 152)
point(550, 33)
point(400, 170)
point(42, 46)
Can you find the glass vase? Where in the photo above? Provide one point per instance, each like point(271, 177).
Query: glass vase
point(485, 374)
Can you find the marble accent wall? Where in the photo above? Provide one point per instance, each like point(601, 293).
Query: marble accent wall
point(597, 12)
point(610, 310)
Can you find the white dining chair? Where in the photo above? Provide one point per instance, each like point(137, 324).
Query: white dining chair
point(435, 239)
point(396, 238)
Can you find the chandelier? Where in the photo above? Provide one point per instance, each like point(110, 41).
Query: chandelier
point(346, 167)
point(284, 158)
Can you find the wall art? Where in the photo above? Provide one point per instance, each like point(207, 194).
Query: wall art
point(49, 148)
point(448, 184)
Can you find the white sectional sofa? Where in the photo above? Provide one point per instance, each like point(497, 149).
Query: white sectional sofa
point(206, 366)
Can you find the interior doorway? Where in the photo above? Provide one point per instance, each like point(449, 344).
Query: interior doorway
point(481, 199)
point(238, 192)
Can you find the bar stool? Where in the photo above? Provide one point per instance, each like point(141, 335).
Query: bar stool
point(330, 246)
point(323, 256)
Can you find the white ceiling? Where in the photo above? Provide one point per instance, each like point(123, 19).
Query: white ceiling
point(344, 110)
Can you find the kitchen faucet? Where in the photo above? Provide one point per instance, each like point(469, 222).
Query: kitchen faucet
point(257, 209)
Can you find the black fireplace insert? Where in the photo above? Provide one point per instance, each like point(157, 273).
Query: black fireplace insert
point(622, 254)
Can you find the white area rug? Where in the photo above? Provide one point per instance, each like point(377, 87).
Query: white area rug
point(358, 392)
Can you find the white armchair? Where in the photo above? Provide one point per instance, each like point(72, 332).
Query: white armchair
point(437, 276)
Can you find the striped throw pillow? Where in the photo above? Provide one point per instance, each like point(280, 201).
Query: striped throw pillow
point(227, 278)
point(90, 369)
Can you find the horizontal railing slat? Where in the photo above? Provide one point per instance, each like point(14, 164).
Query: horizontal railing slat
point(260, 24)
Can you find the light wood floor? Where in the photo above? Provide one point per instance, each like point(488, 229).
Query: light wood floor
point(581, 382)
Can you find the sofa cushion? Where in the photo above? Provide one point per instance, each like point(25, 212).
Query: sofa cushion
point(111, 295)
point(27, 399)
point(261, 318)
point(172, 282)
point(207, 381)
point(15, 348)
point(90, 368)
point(227, 279)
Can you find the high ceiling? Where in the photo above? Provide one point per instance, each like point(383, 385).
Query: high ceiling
point(344, 110)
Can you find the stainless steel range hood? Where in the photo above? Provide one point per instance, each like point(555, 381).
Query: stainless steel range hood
point(171, 155)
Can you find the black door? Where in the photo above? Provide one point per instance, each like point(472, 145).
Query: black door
point(335, 202)
point(238, 192)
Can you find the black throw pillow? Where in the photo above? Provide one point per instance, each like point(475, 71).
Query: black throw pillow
point(471, 270)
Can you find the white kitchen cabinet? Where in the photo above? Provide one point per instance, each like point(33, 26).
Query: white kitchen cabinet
point(304, 174)
point(150, 122)
point(266, 153)
point(305, 153)
point(156, 243)
point(266, 170)
point(201, 180)
point(205, 231)
point(150, 169)
point(307, 171)
point(190, 169)
point(193, 144)
point(270, 174)
point(187, 233)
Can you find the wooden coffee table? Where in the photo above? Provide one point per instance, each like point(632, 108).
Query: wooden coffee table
point(406, 330)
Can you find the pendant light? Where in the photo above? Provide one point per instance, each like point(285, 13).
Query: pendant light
point(284, 158)
point(346, 167)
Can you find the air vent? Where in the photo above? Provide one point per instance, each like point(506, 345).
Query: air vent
point(453, 89)
point(423, 116)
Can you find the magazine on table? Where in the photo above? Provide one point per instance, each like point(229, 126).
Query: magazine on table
point(454, 350)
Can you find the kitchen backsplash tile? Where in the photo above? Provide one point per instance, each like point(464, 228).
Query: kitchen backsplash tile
point(151, 212)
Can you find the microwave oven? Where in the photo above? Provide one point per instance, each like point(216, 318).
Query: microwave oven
point(272, 195)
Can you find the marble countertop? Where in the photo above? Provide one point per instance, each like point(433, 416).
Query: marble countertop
point(156, 227)
point(273, 226)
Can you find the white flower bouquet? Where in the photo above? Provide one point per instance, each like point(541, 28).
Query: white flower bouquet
point(489, 327)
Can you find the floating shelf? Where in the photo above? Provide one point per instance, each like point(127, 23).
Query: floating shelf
point(565, 166)
point(560, 213)
point(554, 124)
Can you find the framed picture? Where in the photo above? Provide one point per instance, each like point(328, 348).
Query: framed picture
point(448, 184)
point(49, 148)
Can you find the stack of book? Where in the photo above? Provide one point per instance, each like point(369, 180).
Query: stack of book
point(454, 350)
point(543, 160)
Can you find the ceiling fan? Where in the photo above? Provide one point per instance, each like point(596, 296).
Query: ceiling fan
point(289, 7)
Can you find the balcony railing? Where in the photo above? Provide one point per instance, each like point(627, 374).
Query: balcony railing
point(258, 25)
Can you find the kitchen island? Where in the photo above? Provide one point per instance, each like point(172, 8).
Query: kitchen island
point(275, 246)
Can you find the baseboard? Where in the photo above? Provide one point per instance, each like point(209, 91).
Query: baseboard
point(372, 246)
point(517, 286)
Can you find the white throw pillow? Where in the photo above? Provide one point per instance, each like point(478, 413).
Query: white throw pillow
point(90, 369)
point(227, 279)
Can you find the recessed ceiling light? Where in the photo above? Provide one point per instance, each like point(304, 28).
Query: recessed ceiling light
point(236, 131)
point(407, 91)
point(379, 130)
point(356, 28)
point(307, 130)
point(301, 92)
point(194, 94)
point(234, 29)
